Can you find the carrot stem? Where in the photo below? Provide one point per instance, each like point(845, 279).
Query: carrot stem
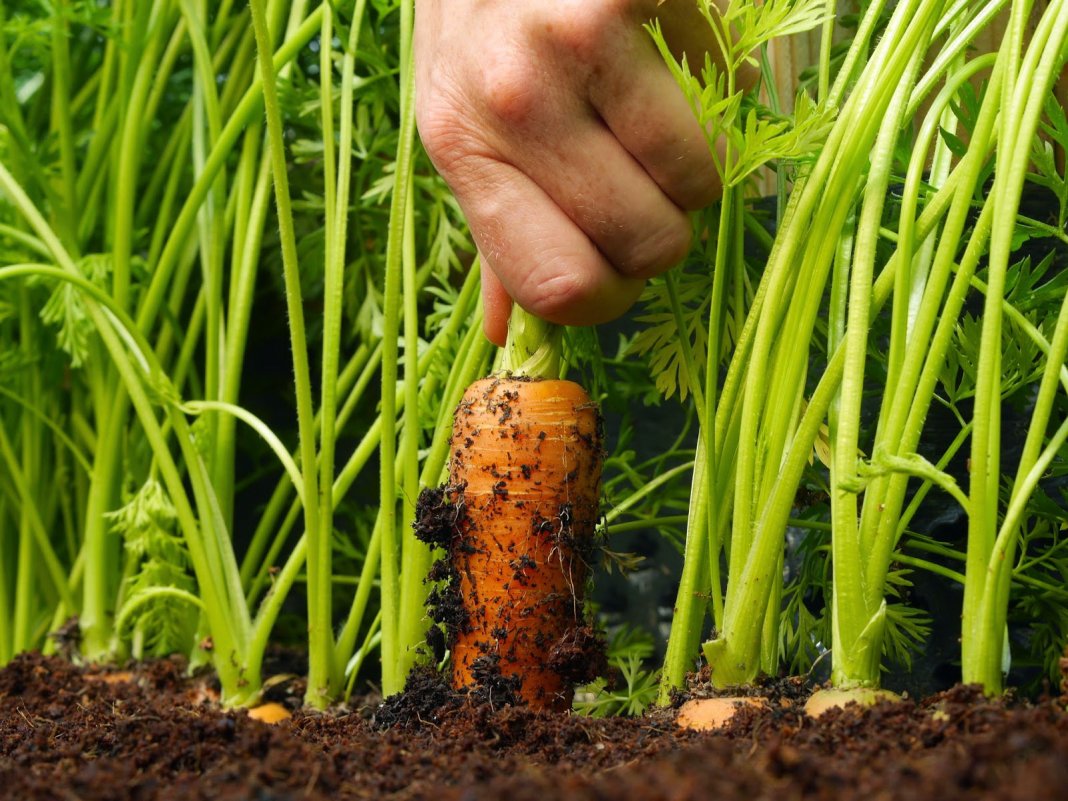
point(533, 348)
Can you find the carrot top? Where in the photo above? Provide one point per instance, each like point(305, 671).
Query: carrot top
point(533, 346)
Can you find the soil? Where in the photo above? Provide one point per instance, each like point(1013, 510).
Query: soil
point(153, 733)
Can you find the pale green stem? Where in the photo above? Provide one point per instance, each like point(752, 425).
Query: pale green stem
point(688, 618)
point(856, 649)
point(67, 215)
point(533, 346)
point(319, 626)
point(1028, 82)
point(392, 647)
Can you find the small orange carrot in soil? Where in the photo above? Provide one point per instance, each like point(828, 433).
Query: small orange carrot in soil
point(524, 484)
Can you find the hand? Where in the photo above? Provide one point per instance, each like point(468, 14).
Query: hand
point(567, 143)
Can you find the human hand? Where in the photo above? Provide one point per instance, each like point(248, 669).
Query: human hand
point(567, 143)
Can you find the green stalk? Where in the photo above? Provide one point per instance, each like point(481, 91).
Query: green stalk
point(823, 81)
point(65, 217)
point(29, 487)
point(392, 645)
point(7, 636)
point(129, 144)
point(319, 626)
point(470, 364)
point(337, 207)
point(533, 348)
point(206, 128)
point(688, 618)
point(857, 627)
point(986, 427)
point(1034, 462)
point(319, 567)
point(416, 555)
point(1028, 82)
point(100, 577)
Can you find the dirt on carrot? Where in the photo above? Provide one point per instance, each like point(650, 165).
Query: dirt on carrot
point(516, 522)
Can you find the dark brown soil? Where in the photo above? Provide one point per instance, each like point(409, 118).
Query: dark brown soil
point(70, 733)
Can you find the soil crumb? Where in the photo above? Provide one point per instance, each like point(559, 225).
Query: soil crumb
point(426, 697)
point(579, 656)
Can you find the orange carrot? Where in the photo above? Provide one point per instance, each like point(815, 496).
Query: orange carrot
point(525, 480)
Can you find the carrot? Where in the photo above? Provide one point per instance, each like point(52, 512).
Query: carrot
point(524, 480)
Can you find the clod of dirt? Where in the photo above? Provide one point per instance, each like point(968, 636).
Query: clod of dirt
point(491, 686)
point(579, 656)
point(435, 517)
point(426, 696)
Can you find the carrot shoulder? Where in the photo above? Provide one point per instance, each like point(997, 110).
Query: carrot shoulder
point(525, 476)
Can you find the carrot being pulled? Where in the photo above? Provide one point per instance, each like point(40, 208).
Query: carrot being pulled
point(524, 487)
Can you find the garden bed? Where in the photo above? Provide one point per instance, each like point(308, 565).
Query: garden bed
point(68, 732)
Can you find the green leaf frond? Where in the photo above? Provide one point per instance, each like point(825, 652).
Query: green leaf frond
point(633, 688)
point(756, 24)
point(155, 623)
point(65, 308)
point(661, 338)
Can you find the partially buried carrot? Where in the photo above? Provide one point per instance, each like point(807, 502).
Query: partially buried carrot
point(525, 481)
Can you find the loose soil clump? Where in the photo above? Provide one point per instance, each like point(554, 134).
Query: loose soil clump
point(150, 732)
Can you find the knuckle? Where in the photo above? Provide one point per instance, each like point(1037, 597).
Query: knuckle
point(563, 294)
point(446, 135)
point(512, 91)
point(585, 32)
point(553, 292)
point(675, 242)
point(435, 129)
point(682, 167)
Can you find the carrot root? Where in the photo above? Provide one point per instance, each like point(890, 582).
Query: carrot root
point(523, 496)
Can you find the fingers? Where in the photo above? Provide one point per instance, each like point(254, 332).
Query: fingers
point(552, 135)
point(611, 198)
point(534, 252)
point(569, 147)
point(497, 306)
point(648, 114)
point(620, 74)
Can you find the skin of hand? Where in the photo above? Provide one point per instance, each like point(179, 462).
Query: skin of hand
point(567, 143)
